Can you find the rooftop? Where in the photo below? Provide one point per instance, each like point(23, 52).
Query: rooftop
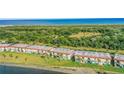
point(93, 54)
point(63, 50)
point(4, 45)
point(20, 45)
point(40, 47)
point(119, 57)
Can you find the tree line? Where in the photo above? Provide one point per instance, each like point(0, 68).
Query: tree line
point(111, 36)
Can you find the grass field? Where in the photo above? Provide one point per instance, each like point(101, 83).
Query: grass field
point(85, 34)
point(40, 61)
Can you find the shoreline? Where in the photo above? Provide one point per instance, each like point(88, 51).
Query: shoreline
point(64, 70)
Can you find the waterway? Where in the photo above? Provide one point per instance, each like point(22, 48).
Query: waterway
point(13, 69)
point(65, 21)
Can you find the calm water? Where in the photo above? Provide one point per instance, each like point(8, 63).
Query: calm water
point(61, 21)
point(5, 69)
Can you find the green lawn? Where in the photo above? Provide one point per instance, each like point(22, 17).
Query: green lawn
point(37, 60)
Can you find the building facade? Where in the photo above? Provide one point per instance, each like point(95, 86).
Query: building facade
point(119, 61)
point(92, 57)
point(62, 53)
point(67, 54)
point(5, 47)
point(18, 47)
point(43, 50)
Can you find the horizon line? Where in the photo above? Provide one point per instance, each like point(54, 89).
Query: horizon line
point(53, 18)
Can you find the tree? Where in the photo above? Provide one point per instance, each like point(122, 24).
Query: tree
point(10, 55)
point(26, 59)
point(16, 57)
point(4, 56)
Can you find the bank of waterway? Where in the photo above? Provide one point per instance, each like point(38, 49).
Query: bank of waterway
point(8, 68)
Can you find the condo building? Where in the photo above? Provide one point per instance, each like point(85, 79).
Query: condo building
point(67, 54)
point(44, 50)
point(62, 53)
point(5, 47)
point(119, 60)
point(18, 47)
point(92, 57)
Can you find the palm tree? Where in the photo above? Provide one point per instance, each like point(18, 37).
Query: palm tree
point(16, 57)
point(10, 55)
point(26, 59)
point(4, 56)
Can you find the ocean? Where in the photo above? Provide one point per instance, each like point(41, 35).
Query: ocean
point(66, 21)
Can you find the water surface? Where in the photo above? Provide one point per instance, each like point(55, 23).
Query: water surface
point(6, 69)
point(61, 21)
